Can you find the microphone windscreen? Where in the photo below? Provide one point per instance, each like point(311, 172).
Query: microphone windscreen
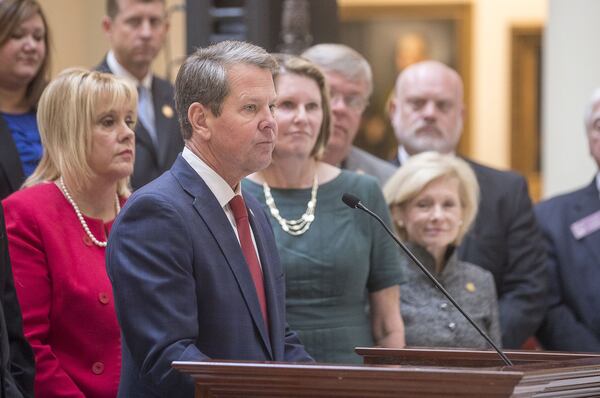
point(350, 200)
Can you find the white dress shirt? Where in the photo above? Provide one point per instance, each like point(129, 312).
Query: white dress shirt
point(220, 188)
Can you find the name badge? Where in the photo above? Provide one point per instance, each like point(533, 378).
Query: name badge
point(586, 225)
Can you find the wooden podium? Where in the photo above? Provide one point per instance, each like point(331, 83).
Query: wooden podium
point(405, 373)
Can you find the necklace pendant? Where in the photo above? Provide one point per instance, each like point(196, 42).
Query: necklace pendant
point(293, 227)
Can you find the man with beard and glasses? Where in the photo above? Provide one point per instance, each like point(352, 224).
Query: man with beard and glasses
point(427, 112)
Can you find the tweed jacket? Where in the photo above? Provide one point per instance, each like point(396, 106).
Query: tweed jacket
point(506, 241)
point(430, 320)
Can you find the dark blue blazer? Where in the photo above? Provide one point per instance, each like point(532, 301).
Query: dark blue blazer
point(573, 319)
point(505, 240)
point(17, 365)
point(150, 161)
point(11, 169)
point(183, 291)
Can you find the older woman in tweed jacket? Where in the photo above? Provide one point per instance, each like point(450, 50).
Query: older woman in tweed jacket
point(433, 199)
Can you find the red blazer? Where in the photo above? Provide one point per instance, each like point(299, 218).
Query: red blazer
point(65, 295)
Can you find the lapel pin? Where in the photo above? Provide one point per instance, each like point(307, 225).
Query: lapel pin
point(167, 111)
point(470, 287)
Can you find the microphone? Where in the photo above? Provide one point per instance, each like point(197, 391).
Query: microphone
point(354, 203)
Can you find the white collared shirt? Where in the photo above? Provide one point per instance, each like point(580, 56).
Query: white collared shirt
point(118, 70)
point(403, 156)
point(220, 188)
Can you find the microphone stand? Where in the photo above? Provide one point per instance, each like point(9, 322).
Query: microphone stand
point(355, 203)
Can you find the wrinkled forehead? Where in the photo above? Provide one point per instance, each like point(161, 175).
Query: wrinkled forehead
point(337, 81)
point(430, 82)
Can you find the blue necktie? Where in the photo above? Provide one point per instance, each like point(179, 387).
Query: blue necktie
point(146, 113)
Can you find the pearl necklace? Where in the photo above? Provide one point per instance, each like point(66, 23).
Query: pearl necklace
point(63, 188)
point(302, 224)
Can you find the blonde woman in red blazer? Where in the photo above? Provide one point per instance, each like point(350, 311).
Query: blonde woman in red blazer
point(58, 227)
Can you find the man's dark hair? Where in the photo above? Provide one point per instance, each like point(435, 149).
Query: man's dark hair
point(112, 6)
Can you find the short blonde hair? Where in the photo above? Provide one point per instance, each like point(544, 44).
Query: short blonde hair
point(66, 113)
point(424, 168)
point(293, 65)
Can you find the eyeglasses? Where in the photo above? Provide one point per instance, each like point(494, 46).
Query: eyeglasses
point(353, 101)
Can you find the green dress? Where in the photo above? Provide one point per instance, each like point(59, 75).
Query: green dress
point(331, 268)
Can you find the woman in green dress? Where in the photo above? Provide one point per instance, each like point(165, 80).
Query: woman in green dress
point(342, 272)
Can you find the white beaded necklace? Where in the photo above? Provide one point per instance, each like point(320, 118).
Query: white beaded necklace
point(302, 224)
point(63, 188)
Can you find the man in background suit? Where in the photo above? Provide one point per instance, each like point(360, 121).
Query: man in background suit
point(350, 82)
point(136, 31)
point(427, 112)
point(17, 366)
point(570, 224)
point(195, 272)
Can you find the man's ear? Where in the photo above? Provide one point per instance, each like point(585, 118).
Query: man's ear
point(392, 104)
point(106, 24)
point(199, 117)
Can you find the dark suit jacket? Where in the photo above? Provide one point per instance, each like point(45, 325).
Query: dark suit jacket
point(183, 291)
point(17, 366)
point(11, 169)
point(505, 240)
point(362, 161)
point(150, 163)
point(573, 319)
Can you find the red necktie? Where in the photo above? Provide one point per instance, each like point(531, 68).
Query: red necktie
point(238, 207)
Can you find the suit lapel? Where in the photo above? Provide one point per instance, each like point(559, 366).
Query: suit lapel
point(216, 221)
point(588, 202)
point(162, 122)
point(9, 157)
point(143, 138)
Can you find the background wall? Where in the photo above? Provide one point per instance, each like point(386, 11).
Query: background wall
point(78, 39)
point(572, 64)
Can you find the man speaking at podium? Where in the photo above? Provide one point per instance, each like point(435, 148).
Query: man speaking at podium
point(193, 262)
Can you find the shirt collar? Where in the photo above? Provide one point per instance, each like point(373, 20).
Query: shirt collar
point(213, 180)
point(118, 70)
point(403, 156)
